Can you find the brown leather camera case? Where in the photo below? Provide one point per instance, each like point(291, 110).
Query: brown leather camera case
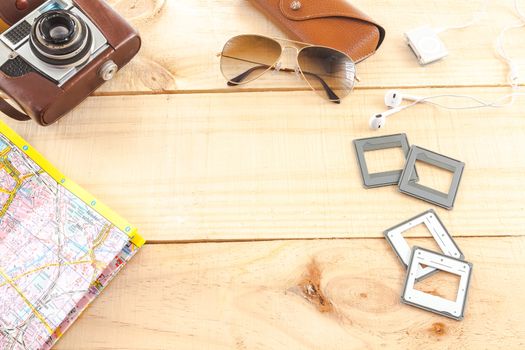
point(11, 11)
point(44, 101)
point(332, 23)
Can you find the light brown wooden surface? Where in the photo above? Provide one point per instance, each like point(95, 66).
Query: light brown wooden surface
point(330, 294)
point(238, 166)
point(193, 162)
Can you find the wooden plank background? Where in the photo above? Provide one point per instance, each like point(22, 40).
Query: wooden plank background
point(191, 167)
point(260, 232)
point(331, 294)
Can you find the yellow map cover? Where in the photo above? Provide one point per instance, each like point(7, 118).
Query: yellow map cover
point(59, 247)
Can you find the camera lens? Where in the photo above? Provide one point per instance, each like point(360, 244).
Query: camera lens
point(61, 38)
point(58, 29)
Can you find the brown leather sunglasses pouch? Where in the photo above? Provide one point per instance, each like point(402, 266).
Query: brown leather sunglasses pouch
point(333, 23)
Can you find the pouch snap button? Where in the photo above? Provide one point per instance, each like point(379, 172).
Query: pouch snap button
point(295, 5)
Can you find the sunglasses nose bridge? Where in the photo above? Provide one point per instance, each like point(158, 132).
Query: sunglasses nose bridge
point(285, 47)
point(289, 59)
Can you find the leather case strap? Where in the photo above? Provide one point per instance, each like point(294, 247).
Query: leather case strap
point(12, 112)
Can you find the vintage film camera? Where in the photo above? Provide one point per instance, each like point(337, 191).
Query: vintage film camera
point(57, 52)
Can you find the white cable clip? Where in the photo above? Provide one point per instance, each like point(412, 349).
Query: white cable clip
point(426, 45)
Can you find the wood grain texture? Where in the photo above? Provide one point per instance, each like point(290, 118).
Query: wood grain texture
point(170, 147)
point(181, 39)
point(336, 294)
point(280, 165)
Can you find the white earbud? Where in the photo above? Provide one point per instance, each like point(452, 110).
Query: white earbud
point(394, 98)
point(378, 120)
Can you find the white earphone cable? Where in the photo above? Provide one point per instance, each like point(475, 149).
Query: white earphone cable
point(477, 17)
point(520, 13)
point(480, 102)
point(502, 53)
point(513, 76)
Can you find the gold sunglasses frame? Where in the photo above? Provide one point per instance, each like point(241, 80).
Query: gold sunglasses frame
point(274, 64)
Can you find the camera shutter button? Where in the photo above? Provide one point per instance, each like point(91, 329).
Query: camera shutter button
point(22, 4)
point(108, 70)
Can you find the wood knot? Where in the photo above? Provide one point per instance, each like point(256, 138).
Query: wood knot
point(310, 288)
point(438, 328)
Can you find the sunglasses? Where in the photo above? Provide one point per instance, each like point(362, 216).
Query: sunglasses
point(329, 72)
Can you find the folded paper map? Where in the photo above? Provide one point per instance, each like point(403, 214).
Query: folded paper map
point(59, 247)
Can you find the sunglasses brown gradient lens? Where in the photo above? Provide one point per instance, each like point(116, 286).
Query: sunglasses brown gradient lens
point(247, 57)
point(329, 72)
